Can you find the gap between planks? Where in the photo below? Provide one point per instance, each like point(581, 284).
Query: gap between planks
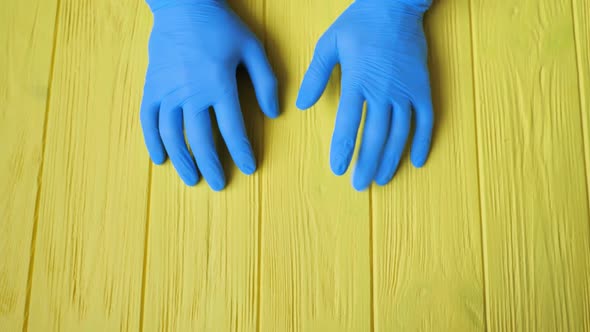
point(261, 151)
point(371, 263)
point(479, 171)
point(40, 173)
point(582, 98)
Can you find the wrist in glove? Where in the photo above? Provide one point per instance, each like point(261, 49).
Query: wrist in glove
point(159, 4)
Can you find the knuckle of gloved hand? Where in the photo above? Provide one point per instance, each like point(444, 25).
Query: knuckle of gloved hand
point(353, 83)
point(352, 46)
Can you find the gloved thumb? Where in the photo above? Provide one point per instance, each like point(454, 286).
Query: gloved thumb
point(316, 79)
point(263, 78)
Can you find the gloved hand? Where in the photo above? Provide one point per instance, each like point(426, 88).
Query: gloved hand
point(382, 51)
point(194, 51)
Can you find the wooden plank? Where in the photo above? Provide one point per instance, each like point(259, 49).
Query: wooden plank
point(202, 265)
point(530, 143)
point(428, 266)
point(315, 272)
point(582, 36)
point(26, 34)
point(90, 242)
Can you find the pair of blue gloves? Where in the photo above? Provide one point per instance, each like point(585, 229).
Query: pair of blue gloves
point(197, 45)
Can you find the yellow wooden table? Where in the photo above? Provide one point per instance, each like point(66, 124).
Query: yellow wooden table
point(494, 233)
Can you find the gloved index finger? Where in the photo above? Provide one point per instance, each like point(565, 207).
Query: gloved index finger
point(318, 75)
point(348, 120)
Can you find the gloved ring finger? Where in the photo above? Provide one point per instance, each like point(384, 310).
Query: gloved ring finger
point(377, 125)
point(172, 133)
point(197, 121)
point(396, 142)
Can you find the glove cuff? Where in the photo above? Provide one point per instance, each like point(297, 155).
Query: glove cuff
point(417, 7)
point(421, 5)
point(159, 4)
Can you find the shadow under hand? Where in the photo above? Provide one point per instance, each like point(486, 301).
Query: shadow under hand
point(253, 120)
point(253, 16)
point(436, 52)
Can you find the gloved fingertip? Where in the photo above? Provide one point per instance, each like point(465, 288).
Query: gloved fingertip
point(248, 168)
point(338, 168)
point(385, 174)
point(360, 187)
point(360, 182)
point(190, 179)
point(246, 162)
point(382, 180)
point(341, 155)
point(303, 103)
point(158, 158)
point(419, 156)
point(218, 184)
point(156, 150)
point(273, 110)
point(215, 189)
point(339, 164)
point(308, 95)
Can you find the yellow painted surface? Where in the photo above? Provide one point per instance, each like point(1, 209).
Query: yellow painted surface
point(25, 66)
point(534, 209)
point(494, 233)
point(426, 225)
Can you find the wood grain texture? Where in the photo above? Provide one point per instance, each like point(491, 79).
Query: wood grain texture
point(26, 35)
point(202, 263)
point(90, 244)
point(428, 265)
point(315, 271)
point(534, 203)
point(581, 8)
point(494, 233)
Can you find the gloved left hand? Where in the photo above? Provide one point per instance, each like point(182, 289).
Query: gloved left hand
point(194, 51)
point(382, 52)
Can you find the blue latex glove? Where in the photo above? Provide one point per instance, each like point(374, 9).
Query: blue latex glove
point(194, 51)
point(382, 51)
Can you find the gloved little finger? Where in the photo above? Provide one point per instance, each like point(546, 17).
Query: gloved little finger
point(149, 114)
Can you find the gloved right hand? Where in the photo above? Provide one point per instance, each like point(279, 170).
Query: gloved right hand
point(382, 51)
point(194, 51)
